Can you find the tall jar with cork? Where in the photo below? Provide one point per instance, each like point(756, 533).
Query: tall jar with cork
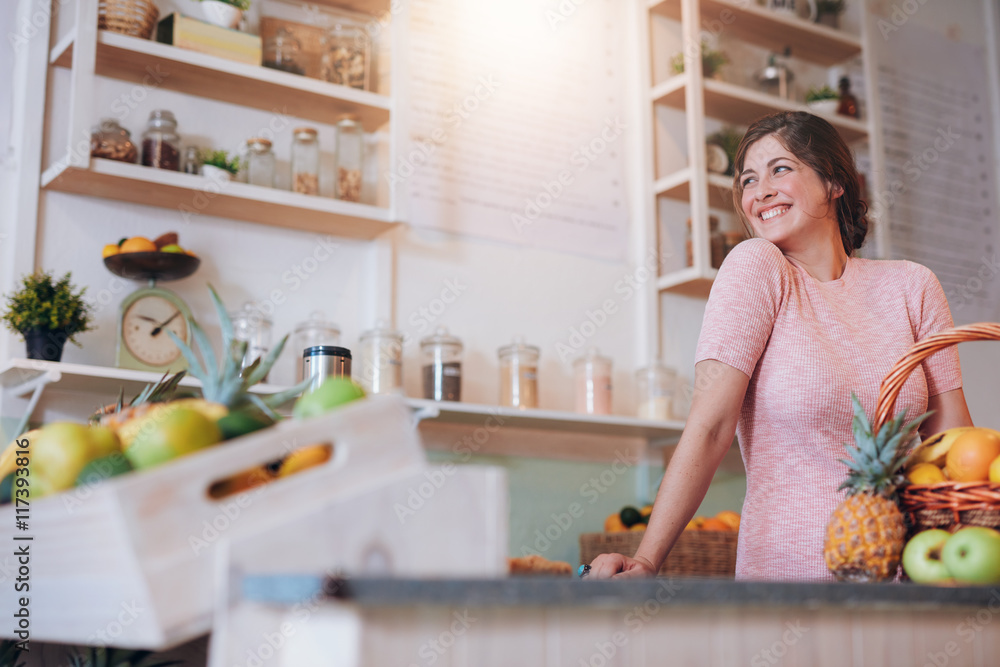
point(305, 161)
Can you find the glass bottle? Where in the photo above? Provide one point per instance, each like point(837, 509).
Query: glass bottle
point(282, 51)
point(305, 161)
point(655, 387)
point(592, 378)
point(350, 153)
point(518, 374)
point(442, 366)
point(251, 325)
point(316, 331)
point(382, 360)
point(848, 102)
point(344, 59)
point(160, 141)
point(260, 162)
point(113, 142)
point(192, 160)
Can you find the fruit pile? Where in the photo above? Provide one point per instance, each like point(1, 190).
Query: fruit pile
point(631, 518)
point(160, 425)
point(164, 243)
point(969, 556)
point(963, 454)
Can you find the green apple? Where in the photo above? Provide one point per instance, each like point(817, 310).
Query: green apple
point(61, 450)
point(170, 434)
point(922, 557)
point(103, 468)
point(332, 393)
point(173, 247)
point(973, 555)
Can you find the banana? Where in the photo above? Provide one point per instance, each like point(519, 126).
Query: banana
point(935, 448)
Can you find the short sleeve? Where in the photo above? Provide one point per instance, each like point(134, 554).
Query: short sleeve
point(931, 315)
point(743, 305)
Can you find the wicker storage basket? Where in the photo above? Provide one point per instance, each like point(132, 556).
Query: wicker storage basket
point(128, 17)
point(946, 505)
point(697, 553)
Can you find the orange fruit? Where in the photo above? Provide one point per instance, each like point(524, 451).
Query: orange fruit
point(240, 482)
point(613, 524)
point(110, 249)
point(730, 518)
point(638, 526)
point(695, 523)
point(970, 457)
point(137, 244)
point(925, 473)
point(646, 511)
point(714, 524)
point(301, 459)
point(995, 471)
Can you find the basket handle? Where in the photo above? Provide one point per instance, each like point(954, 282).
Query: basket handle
point(894, 381)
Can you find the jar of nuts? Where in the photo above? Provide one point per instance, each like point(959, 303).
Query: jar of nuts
point(160, 141)
point(113, 142)
point(344, 58)
point(350, 152)
point(305, 161)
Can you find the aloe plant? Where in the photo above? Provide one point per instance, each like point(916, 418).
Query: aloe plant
point(100, 656)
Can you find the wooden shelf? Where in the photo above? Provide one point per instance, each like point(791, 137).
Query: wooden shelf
point(657, 432)
point(760, 26)
point(688, 282)
point(192, 195)
point(132, 59)
point(678, 186)
point(741, 106)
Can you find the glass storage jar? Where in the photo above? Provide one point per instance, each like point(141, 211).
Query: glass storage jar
point(305, 161)
point(442, 366)
point(518, 374)
point(350, 153)
point(113, 142)
point(251, 325)
point(260, 162)
point(381, 359)
point(592, 379)
point(345, 56)
point(316, 331)
point(283, 51)
point(192, 160)
point(160, 141)
point(655, 387)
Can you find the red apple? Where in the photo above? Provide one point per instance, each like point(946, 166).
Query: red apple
point(922, 557)
point(972, 555)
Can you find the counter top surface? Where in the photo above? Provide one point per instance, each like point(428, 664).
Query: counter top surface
point(561, 591)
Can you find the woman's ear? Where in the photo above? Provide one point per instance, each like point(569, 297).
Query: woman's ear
point(836, 191)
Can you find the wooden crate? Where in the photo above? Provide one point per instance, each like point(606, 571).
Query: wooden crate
point(697, 553)
point(132, 558)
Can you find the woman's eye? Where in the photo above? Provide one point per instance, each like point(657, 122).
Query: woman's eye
point(780, 167)
point(747, 181)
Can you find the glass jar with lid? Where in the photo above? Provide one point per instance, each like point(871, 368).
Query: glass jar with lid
point(160, 141)
point(260, 162)
point(592, 380)
point(655, 386)
point(442, 366)
point(350, 153)
point(381, 359)
point(305, 161)
point(518, 374)
point(113, 142)
point(345, 56)
point(283, 51)
point(251, 325)
point(316, 331)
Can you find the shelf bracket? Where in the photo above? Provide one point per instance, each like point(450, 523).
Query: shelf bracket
point(36, 386)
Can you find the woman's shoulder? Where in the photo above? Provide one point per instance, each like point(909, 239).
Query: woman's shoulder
point(755, 252)
point(901, 272)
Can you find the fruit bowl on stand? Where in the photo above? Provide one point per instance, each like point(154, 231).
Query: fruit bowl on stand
point(152, 265)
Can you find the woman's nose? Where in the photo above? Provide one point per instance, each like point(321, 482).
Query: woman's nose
point(764, 190)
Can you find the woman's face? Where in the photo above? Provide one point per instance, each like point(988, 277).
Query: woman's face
point(785, 200)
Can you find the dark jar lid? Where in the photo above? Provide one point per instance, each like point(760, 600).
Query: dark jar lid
point(326, 351)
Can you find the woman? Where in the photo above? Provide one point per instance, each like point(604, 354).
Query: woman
point(793, 325)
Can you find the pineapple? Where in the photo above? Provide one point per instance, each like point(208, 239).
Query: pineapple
point(866, 533)
point(115, 414)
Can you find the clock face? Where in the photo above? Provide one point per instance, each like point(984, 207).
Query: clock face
point(144, 330)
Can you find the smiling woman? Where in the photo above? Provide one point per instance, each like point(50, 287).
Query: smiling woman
point(793, 325)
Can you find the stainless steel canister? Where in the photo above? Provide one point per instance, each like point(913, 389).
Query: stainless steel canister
point(323, 361)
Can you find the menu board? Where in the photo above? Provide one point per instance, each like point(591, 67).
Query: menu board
point(515, 128)
point(940, 181)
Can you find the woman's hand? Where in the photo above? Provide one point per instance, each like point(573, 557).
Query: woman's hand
point(618, 566)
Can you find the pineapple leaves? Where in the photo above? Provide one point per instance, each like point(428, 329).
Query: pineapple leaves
point(224, 322)
point(194, 364)
point(204, 347)
point(261, 371)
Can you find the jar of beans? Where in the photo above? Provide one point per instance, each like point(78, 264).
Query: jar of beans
point(160, 141)
point(305, 161)
point(113, 142)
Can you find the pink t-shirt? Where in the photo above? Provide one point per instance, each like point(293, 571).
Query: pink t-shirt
point(806, 345)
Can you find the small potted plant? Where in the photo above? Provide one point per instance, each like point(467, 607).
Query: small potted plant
point(225, 13)
point(47, 313)
point(218, 166)
point(824, 100)
point(828, 12)
point(711, 61)
point(728, 138)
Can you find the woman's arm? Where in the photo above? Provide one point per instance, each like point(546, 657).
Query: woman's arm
point(950, 410)
point(715, 408)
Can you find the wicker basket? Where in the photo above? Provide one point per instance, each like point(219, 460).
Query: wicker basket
point(128, 17)
point(947, 505)
point(697, 553)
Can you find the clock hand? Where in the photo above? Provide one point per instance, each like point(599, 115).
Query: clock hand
point(148, 319)
point(159, 328)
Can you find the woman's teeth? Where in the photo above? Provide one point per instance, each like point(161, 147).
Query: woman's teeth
point(767, 215)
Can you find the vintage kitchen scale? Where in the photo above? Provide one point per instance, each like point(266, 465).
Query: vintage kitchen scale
point(145, 315)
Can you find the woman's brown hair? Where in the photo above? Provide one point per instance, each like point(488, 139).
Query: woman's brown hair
point(816, 143)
